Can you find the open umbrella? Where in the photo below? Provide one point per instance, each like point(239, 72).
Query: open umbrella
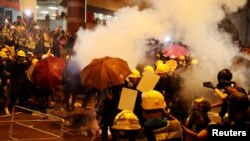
point(48, 72)
point(29, 73)
point(176, 50)
point(105, 72)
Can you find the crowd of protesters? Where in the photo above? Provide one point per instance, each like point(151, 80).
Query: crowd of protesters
point(22, 43)
point(160, 111)
point(163, 114)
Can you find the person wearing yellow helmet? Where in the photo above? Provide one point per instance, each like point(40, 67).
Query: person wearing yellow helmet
point(173, 64)
point(21, 53)
point(133, 78)
point(131, 83)
point(19, 79)
point(168, 84)
point(3, 54)
point(4, 49)
point(34, 61)
point(5, 80)
point(126, 126)
point(157, 62)
point(148, 68)
point(181, 61)
point(158, 120)
point(162, 69)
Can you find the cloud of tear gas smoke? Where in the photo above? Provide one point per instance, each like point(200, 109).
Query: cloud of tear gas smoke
point(122, 37)
point(196, 25)
point(193, 22)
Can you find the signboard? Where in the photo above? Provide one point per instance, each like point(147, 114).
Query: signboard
point(148, 81)
point(127, 99)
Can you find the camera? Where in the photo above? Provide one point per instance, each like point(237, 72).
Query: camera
point(208, 84)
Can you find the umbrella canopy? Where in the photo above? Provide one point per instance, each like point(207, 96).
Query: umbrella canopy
point(105, 72)
point(29, 73)
point(48, 72)
point(176, 50)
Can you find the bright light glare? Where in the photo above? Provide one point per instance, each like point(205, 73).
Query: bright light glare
point(27, 12)
point(167, 39)
point(53, 8)
point(44, 12)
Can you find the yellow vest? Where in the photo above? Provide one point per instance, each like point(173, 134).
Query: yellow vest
point(172, 131)
point(31, 43)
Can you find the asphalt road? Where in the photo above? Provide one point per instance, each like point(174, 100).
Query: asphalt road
point(36, 127)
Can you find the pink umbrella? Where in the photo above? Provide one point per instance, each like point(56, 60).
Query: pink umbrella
point(176, 50)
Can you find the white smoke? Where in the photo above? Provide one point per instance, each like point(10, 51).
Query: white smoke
point(124, 37)
point(194, 22)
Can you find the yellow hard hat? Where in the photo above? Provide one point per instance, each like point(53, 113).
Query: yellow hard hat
point(148, 68)
point(153, 100)
point(34, 61)
point(126, 120)
point(158, 62)
point(3, 54)
point(135, 73)
point(21, 53)
point(173, 64)
point(5, 49)
point(162, 68)
point(182, 57)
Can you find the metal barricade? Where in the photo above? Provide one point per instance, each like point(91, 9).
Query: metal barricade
point(26, 125)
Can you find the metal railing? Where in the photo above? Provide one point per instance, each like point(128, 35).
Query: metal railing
point(38, 127)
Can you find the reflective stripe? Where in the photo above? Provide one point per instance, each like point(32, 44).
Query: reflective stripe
point(172, 131)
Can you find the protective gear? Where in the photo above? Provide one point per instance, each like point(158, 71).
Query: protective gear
point(158, 62)
point(201, 105)
point(172, 64)
point(135, 73)
point(21, 53)
point(47, 40)
point(126, 120)
point(162, 68)
point(182, 57)
point(34, 61)
point(5, 49)
point(171, 131)
point(30, 53)
point(12, 27)
point(224, 74)
point(3, 54)
point(148, 68)
point(153, 100)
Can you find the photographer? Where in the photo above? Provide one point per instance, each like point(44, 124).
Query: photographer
point(222, 90)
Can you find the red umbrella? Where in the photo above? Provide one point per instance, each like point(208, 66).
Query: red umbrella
point(29, 73)
point(176, 50)
point(105, 72)
point(48, 72)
